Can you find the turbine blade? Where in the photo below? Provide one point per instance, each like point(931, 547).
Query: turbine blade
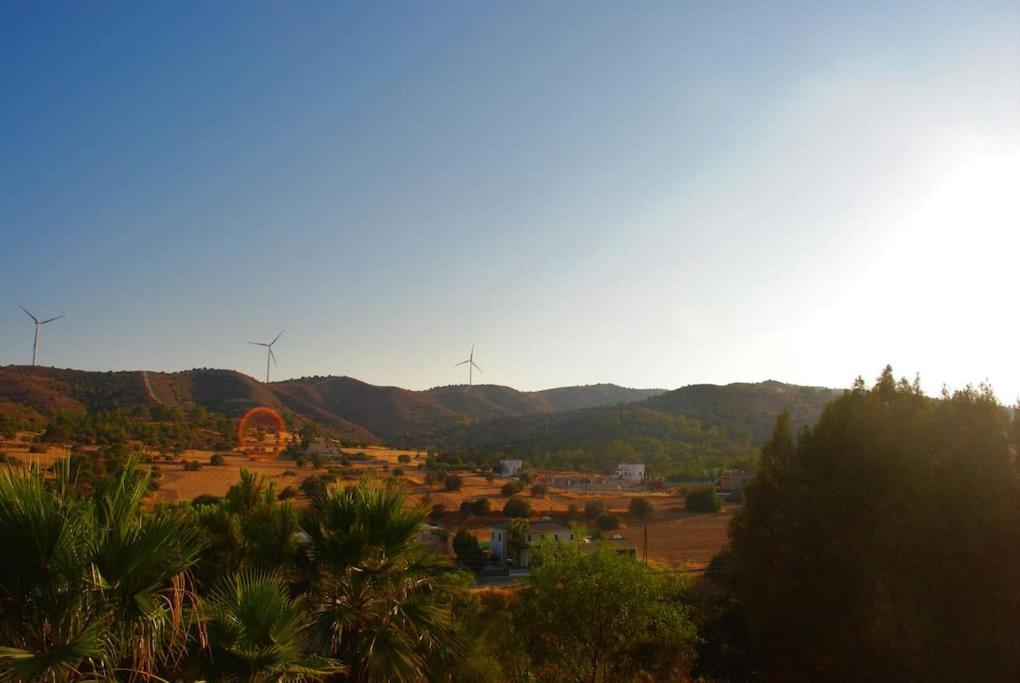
point(52, 319)
point(463, 362)
point(27, 313)
point(258, 344)
point(273, 356)
point(476, 366)
point(277, 337)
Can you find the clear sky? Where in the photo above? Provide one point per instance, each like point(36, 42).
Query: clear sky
point(652, 194)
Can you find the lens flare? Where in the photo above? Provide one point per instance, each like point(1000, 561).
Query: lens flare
point(261, 433)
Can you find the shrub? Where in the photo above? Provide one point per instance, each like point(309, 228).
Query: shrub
point(480, 506)
point(287, 492)
point(517, 507)
point(36, 448)
point(703, 500)
point(192, 466)
point(312, 486)
point(205, 499)
point(453, 482)
point(437, 510)
point(608, 522)
point(216, 459)
point(511, 487)
point(490, 477)
point(572, 510)
point(398, 471)
point(594, 508)
point(403, 458)
point(317, 460)
point(289, 473)
point(300, 461)
point(539, 489)
point(640, 508)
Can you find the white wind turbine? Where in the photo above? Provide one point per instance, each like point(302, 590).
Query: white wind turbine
point(38, 324)
point(470, 362)
point(269, 355)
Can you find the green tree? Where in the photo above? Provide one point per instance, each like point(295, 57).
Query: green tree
point(703, 500)
point(468, 550)
point(257, 632)
point(880, 543)
point(601, 616)
point(91, 587)
point(517, 507)
point(380, 599)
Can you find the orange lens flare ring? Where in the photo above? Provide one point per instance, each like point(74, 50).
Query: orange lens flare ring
point(263, 444)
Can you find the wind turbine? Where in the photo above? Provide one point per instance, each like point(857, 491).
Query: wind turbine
point(38, 324)
point(269, 347)
point(470, 362)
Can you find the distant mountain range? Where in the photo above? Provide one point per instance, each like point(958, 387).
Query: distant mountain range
point(452, 416)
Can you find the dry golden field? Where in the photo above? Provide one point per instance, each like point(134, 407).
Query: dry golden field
point(675, 538)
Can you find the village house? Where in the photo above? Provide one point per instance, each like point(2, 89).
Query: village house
point(734, 480)
point(510, 468)
point(538, 531)
point(321, 446)
point(631, 472)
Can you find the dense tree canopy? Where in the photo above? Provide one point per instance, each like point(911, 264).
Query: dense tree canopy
point(882, 544)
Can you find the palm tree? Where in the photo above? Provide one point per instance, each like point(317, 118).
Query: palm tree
point(256, 632)
point(381, 598)
point(90, 587)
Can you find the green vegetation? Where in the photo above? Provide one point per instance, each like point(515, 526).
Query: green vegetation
point(703, 500)
point(511, 488)
point(600, 616)
point(880, 544)
point(517, 507)
point(468, 551)
point(162, 428)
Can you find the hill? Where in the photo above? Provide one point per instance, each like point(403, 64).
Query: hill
point(345, 406)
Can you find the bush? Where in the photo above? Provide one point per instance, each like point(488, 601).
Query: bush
point(437, 510)
point(300, 461)
point(289, 473)
point(510, 488)
point(608, 522)
point(398, 471)
point(192, 466)
point(594, 508)
point(205, 499)
point(216, 459)
point(572, 510)
point(517, 507)
point(453, 482)
point(287, 492)
point(36, 448)
point(317, 460)
point(403, 458)
point(539, 490)
point(480, 506)
point(312, 486)
point(640, 508)
point(703, 500)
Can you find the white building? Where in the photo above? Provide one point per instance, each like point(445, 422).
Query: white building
point(630, 472)
point(734, 480)
point(510, 468)
point(537, 532)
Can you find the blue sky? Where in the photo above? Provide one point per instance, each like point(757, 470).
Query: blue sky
point(652, 194)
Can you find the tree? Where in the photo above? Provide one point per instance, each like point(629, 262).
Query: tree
point(216, 459)
point(608, 522)
point(517, 507)
point(703, 500)
point(511, 488)
point(404, 458)
point(922, 496)
point(380, 600)
point(256, 632)
point(453, 482)
point(600, 616)
point(91, 586)
point(642, 509)
point(539, 490)
point(468, 550)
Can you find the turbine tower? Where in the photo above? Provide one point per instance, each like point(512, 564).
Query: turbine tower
point(269, 347)
point(38, 324)
point(470, 362)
